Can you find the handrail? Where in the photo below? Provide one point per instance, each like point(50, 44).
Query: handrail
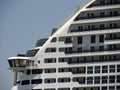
point(81, 18)
point(92, 51)
point(95, 29)
point(112, 38)
point(92, 61)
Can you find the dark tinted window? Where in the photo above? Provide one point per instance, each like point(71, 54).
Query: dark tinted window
point(63, 88)
point(105, 69)
point(54, 39)
point(37, 71)
point(28, 72)
point(104, 79)
point(41, 42)
point(48, 50)
point(79, 40)
point(50, 70)
point(50, 60)
point(36, 81)
point(49, 89)
point(89, 80)
point(111, 79)
point(101, 38)
point(62, 80)
point(93, 39)
point(97, 69)
point(68, 40)
point(89, 70)
point(97, 80)
point(25, 82)
point(50, 80)
point(112, 68)
point(118, 87)
point(104, 88)
point(118, 78)
point(118, 68)
point(31, 53)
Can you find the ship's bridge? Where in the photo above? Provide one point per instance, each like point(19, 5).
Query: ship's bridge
point(19, 63)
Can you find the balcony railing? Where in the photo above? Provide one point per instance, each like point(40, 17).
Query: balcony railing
point(93, 17)
point(95, 50)
point(94, 29)
point(68, 42)
point(107, 3)
point(92, 61)
point(112, 38)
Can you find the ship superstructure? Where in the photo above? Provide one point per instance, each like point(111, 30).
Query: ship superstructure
point(82, 54)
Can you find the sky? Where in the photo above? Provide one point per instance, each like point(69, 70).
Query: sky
point(22, 23)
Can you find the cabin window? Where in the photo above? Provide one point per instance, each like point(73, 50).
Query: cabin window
point(80, 40)
point(28, 72)
point(93, 39)
point(50, 60)
point(36, 81)
point(63, 88)
point(54, 39)
point(50, 80)
point(62, 80)
point(50, 89)
point(48, 50)
point(50, 70)
point(37, 71)
point(101, 38)
point(25, 82)
point(32, 53)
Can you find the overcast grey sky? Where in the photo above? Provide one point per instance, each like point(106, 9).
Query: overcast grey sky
point(22, 23)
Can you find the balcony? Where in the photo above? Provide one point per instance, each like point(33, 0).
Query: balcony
point(94, 29)
point(92, 51)
point(68, 42)
point(106, 3)
point(94, 17)
point(112, 40)
point(92, 61)
point(103, 7)
point(96, 20)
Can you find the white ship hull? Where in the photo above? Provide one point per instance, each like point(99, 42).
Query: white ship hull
point(82, 54)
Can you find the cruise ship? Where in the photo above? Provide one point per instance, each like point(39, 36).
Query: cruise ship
point(81, 54)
